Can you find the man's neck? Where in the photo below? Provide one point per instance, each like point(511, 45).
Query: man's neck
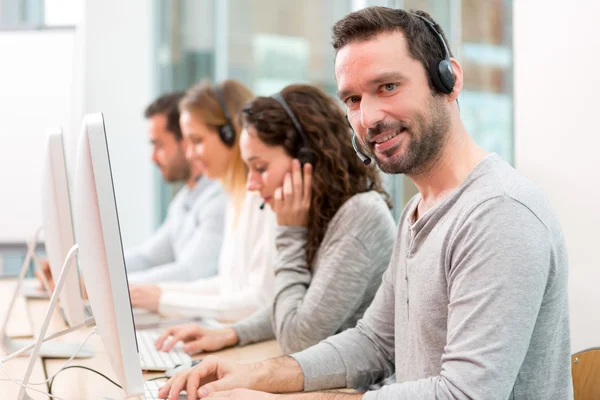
point(191, 183)
point(459, 156)
point(193, 179)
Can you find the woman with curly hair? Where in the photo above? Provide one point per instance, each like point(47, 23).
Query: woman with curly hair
point(335, 231)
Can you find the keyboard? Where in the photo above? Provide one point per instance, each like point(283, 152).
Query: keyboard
point(154, 360)
point(151, 391)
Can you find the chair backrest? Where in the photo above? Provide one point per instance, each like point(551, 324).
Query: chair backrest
point(585, 369)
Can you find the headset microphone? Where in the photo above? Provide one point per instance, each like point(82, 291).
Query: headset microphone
point(365, 159)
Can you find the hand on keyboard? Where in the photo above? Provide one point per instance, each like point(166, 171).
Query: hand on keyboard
point(196, 338)
point(216, 378)
point(152, 359)
point(151, 391)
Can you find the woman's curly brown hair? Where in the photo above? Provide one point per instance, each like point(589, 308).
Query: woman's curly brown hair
point(338, 174)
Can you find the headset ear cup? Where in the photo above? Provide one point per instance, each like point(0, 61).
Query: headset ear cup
point(305, 155)
point(446, 75)
point(443, 79)
point(227, 135)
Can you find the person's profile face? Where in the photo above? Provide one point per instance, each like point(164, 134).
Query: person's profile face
point(390, 105)
point(205, 149)
point(168, 153)
point(267, 165)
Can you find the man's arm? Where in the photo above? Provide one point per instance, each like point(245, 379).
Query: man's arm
point(200, 257)
point(214, 376)
point(499, 273)
point(323, 396)
point(155, 251)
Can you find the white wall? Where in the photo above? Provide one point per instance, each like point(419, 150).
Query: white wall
point(557, 136)
point(35, 85)
point(114, 76)
point(52, 77)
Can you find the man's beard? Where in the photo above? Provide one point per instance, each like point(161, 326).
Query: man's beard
point(426, 138)
point(177, 172)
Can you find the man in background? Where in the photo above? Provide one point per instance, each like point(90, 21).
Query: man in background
point(186, 246)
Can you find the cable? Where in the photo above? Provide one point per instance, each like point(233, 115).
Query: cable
point(86, 322)
point(86, 368)
point(19, 383)
point(66, 364)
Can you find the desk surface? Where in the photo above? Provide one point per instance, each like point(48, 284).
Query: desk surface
point(18, 326)
point(80, 384)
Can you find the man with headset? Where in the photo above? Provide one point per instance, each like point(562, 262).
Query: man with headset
point(186, 246)
point(474, 303)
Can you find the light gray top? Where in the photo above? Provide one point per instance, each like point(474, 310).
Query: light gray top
point(313, 303)
point(186, 246)
point(473, 306)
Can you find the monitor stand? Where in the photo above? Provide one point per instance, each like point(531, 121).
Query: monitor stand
point(48, 350)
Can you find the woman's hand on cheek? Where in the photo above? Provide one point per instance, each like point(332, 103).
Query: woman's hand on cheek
point(291, 202)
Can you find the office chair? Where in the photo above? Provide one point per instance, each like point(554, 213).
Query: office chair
point(585, 370)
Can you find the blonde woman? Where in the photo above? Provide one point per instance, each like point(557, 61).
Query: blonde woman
point(245, 281)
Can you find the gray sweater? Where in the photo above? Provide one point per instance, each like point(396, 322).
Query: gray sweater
point(314, 302)
point(186, 247)
point(473, 306)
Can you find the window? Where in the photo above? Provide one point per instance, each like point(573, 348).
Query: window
point(480, 37)
point(268, 44)
point(39, 13)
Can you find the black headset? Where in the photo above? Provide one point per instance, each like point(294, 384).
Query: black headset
point(304, 154)
point(440, 71)
point(365, 159)
point(226, 131)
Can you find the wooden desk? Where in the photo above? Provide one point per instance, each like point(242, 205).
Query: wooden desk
point(16, 368)
point(20, 322)
point(80, 384)
point(19, 325)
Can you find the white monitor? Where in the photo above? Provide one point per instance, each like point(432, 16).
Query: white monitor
point(58, 226)
point(58, 232)
point(101, 254)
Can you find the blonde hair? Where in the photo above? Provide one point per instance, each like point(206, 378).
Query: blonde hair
point(201, 101)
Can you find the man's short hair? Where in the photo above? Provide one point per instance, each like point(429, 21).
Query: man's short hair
point(423, 45)
point(167, 104)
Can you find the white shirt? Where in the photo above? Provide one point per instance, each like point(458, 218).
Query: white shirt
point(186, 246)
point(245, 281)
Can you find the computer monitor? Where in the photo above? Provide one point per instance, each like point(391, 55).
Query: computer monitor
point(58, 225)
point(58, 233)
point(101, 254)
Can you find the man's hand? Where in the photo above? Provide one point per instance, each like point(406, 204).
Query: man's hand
point(280, 375)
point(211, 375)
point(196, 338)
point(145, 296)
point(44, 273)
